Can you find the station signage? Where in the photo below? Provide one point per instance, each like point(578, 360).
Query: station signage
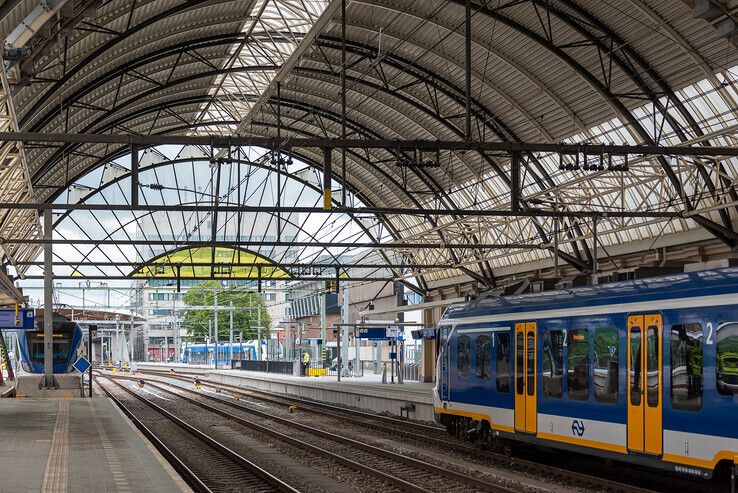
point(373, 333)
point(379, 333)
point(20, 319)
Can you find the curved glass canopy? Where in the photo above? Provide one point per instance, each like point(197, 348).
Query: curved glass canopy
point(253, 216)
point(211, 263)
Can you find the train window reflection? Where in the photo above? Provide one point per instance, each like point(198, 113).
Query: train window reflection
point(553, 363)
point(606, 365)
point(727, 358)
point(502, 344)
point(686, 366)
point(463, 356)
point(652, 391)
point(531, 365)
point(635, 366)
point(519, 365)
point(483, 358)
point(577, 365)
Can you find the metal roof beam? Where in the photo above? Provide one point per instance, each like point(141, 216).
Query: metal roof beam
point(287, 143)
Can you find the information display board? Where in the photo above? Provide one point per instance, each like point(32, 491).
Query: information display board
point(23, 319)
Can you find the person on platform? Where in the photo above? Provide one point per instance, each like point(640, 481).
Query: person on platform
point(305, 362)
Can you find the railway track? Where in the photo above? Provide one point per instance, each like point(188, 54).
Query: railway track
point(428, 434)
point(226, 470)
point(407, 473)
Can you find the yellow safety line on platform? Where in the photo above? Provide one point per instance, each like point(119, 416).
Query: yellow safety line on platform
point(55, 476)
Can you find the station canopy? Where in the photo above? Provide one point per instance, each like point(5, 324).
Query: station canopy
point(599, 71)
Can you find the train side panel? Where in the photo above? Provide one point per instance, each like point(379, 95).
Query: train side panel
point(586, 388)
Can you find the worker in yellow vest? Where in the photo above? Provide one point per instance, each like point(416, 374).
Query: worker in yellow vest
point(305, 362)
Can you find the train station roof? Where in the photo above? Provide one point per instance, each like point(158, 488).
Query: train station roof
point(601, 71)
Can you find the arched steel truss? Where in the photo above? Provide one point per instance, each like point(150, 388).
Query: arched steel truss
point(390, 78)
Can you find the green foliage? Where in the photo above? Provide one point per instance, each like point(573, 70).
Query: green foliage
point(245, 316)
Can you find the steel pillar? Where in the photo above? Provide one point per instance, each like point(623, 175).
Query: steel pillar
point(345, 330)
point(323, 324)
point(48, 382)
point(215, 310)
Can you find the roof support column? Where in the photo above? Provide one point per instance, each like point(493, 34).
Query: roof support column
point(48, 301)
point(343, 100)
point(515, 182)
point(327, 202)
point(467, 66)
point(279, 160)
point(134, 175)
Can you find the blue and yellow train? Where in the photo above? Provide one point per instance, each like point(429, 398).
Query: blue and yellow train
point(642, 371)
point(203, 354)
point(67, 337)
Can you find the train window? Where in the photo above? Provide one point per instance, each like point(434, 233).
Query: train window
point(519, 365)
point(727, 358)
point(652, 368)
point(606, 365)
point(577, 365)
point(483, 359)
point(686, 367)
point(553, 363)
point(531, 384)
point(635, 366)
point(463, 356)
point(502, 343)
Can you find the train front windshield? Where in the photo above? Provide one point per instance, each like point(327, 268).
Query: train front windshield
point(60, 347)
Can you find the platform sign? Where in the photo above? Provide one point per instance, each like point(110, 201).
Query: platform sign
point(373, 333)
point(23, 319)
point(82, 365)
point(392, 331)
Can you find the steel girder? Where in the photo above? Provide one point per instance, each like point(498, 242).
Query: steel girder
point(489, 119)
point(256, 164)
point(724, 234)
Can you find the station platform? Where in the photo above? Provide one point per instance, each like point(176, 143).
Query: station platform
point(59, 445)
point(367, 393)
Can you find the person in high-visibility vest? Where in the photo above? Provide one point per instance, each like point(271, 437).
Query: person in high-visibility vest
point(305, 362)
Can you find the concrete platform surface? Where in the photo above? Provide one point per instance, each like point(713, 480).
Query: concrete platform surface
point(77, 445)
point(367, 393)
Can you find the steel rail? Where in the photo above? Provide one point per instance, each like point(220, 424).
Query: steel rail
point(254, 469)
point(293, 441)
point(330, 410)
point(302, 401)
point(398, 458)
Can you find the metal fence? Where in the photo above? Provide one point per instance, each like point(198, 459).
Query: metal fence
point(320, 369)
point(411, 371)
point(284, 367)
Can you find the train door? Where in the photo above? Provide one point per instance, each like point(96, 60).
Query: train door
point(525, 377)
point(645, 380)
point(442, 366)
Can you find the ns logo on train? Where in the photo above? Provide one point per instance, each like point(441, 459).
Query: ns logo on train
point(577, 428)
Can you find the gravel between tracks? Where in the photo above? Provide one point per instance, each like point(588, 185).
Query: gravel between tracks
point(452, 456)
point(303, 470)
